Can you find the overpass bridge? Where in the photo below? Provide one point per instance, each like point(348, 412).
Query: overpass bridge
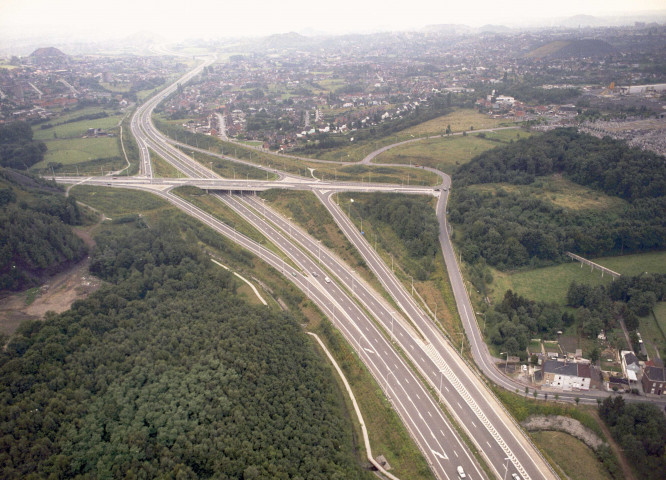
point(243, 186)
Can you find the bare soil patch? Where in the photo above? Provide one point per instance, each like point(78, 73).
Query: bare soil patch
point(57, 294)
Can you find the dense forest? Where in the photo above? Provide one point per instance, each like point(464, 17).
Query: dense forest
point(511, 229)
point(17, 148)
point(640, 429)
point(605, 164)
point(35, 234)
point(166, 373)
point(511, 323)
point(413, 221)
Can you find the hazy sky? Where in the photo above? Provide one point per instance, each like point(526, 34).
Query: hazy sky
point(223, 18)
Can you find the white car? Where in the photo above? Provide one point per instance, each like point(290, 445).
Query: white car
point(461, 473)
point(327, 280)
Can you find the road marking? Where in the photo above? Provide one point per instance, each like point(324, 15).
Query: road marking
point(368, 350)
point(417, 396)
point(446, 388)
point(459, 406)
point(455, 453)
point(406, 380)
point(437, 454)
point(400, 333)
point(489, 445)
point(474, 424)
point(429, 413)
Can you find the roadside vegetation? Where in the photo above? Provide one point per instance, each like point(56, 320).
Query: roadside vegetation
point(522, 407)
point(404, 230)
point(162, 168)
point(304, 209)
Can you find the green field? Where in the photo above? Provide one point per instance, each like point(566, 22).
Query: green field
point(550, 284)
point(79, 150)
point(447, 153)
point(653, 339)
point(76, 129)
point(561, 192)
point(660, 313)
point(577, 460)
point(118, 201)
point(460, 120)
point(74, 113)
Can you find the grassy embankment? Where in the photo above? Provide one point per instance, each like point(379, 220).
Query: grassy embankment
point(434, 287)
point(227, 168)
point(460, 120)
point(598, 463)
point(387, 434)
point(365, 173)
point(447, 153)
point(308, 212)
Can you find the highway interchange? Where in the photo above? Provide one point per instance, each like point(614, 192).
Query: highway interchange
point(386, 339)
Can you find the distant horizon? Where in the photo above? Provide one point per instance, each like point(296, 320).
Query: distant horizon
point(77, 20)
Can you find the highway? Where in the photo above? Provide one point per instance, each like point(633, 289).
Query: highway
point(427, 424)
point(504, 445)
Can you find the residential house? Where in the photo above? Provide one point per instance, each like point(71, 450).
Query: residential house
point(654, 380)
point(630, 365)
point(567, 375)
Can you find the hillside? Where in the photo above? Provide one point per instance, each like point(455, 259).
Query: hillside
point(572, 49)
point(506, 217)
point(48, 52)
point(166, 373)
point(35, 235)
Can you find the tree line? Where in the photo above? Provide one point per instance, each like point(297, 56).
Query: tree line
point(36, 238)
point(608, 165)
point(513, 229)
point(166, 372)
point(17, 148)
point(640, 430)
point(412, 219)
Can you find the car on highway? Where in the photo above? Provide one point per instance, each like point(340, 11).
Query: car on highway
point(327, 280)
point(461, 473)
point(514, 476)
point(314, 274)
